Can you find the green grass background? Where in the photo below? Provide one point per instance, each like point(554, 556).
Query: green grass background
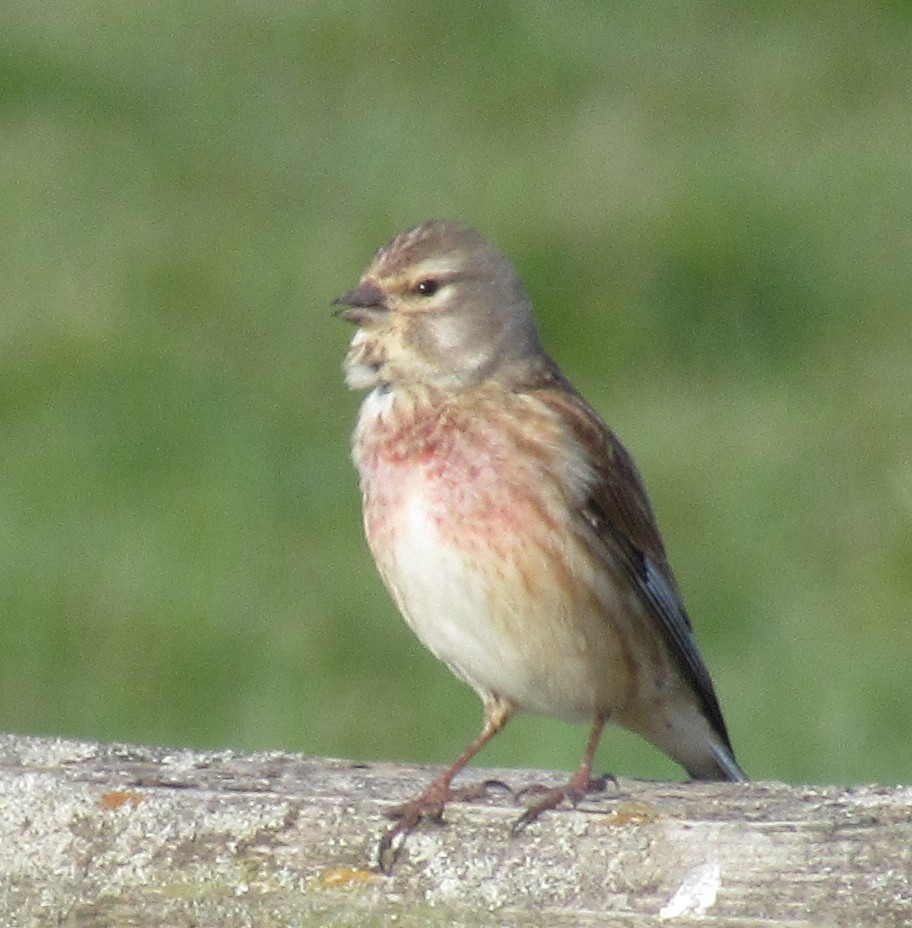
point(711, 204)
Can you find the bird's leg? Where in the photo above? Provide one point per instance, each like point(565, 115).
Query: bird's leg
point(577, 787)
point(429, 805)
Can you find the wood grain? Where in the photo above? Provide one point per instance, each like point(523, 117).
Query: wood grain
point(111, 834)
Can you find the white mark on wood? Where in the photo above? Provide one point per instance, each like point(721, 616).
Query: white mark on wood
point(697, 892)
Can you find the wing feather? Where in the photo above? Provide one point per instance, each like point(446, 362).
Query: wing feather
point(619, 510)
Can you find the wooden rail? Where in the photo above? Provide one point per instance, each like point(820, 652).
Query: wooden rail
point(118, 835)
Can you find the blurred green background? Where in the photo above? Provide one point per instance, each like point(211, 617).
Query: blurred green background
point(711, 205)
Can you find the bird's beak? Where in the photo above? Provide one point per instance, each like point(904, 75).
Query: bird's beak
point(364, 303)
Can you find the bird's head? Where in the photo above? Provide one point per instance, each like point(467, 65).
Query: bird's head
point(438, 305)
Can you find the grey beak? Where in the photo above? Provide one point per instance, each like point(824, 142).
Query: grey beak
point(364, 298)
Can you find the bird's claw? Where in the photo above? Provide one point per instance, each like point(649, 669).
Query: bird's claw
point(552, 797)
point(428, 806)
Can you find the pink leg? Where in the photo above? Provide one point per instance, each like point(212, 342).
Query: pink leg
point(576, 788)
point(430, 804)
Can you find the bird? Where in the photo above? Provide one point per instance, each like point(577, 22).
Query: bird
point(509, 523)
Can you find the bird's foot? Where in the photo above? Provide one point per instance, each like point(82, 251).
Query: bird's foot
point(428, 806)
point(574, 791)
point(431, 802)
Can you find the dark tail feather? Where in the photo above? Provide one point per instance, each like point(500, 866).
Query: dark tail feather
point(726, 767)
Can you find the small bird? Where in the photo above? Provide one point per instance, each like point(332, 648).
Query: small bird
point(509, 523)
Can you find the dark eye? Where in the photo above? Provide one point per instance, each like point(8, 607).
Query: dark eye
point(428, 286)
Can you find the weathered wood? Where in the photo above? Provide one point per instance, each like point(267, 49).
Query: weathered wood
point(119, 835)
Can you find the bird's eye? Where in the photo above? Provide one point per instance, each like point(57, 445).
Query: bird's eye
point(428, 286)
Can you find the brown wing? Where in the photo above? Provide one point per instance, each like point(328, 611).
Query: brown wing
point(619, 510)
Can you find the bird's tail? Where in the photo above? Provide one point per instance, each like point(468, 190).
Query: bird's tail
point(720, 765)
point(728, 766)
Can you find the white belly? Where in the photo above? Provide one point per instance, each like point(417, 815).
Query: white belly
point(446, 603)
point(482, 621)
